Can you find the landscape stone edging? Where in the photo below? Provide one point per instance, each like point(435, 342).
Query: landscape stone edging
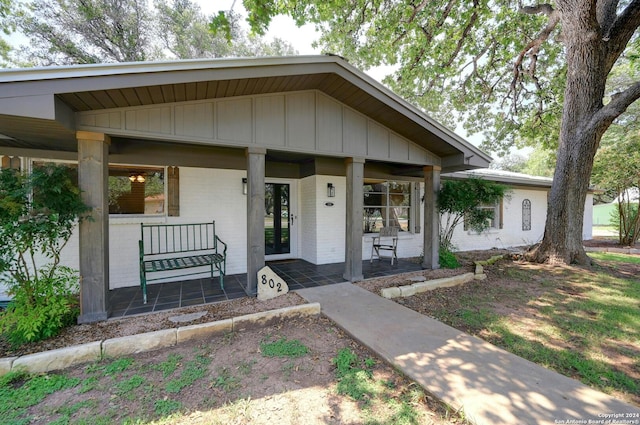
point(47, 361)
point(631, 251)
point(61, 358)
point(416, 288)
point(445, 282)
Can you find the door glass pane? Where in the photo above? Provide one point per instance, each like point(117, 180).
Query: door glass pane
point(276, 219)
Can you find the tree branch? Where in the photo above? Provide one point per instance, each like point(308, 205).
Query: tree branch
point(606, 14)
point(533, 47)
point(612, 110)
point(463, 37)
point(621, 31)
point(544, 9)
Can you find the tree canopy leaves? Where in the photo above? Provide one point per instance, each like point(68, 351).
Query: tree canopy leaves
point(65, 32)
point(453, 58)
point(5, 26)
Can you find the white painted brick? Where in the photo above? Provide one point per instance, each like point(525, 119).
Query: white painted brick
point(215, 194)
point(511, 234)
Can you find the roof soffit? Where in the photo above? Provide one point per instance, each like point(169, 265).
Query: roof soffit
point(122, 85)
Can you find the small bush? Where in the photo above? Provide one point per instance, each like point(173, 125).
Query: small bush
point(41, 313)
point(448, 259)
point(283, 348)
point(345, 361)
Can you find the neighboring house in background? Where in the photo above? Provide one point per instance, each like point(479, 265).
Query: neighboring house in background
point(603, 214)
point(306, 150)
point(520, 218)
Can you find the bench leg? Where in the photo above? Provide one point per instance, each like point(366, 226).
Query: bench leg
point(143, 285)
point(222, 267)
point(221, 272)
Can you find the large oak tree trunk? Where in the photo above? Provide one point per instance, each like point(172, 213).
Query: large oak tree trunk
point(579, 136)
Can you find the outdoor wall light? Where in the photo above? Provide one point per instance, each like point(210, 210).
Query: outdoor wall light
point(137, 178)
point(331, 190)
point(244, 185)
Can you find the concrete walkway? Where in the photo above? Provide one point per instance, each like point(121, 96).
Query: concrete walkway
point(488, 384)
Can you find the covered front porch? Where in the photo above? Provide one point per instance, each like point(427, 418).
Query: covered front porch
point(215, 136)
point(298, 274)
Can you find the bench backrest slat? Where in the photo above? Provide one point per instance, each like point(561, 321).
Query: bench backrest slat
point(176, 238)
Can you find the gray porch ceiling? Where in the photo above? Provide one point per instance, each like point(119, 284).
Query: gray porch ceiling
point(37, 106)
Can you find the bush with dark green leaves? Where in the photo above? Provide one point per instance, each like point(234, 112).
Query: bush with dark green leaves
point(38, 212)
point(448, 259)
point(461, 201)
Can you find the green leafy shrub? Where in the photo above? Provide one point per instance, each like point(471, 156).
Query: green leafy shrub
point(461, 201)
point(38, 212)
point(51, 306)
point(448, 259)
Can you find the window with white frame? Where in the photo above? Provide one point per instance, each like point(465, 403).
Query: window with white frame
point(526, 215)
point(387, 204)
point(493, 223)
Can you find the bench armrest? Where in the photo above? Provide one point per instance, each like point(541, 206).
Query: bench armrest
point(224, 251)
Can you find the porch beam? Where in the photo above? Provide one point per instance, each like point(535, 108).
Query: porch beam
point(355, 209)
point(255, 215)
point(93, 174)
point(431, 259)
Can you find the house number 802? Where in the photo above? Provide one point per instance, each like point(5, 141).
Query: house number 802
point(272, 284)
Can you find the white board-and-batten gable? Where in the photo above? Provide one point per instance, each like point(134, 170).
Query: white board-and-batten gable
point(305, 122)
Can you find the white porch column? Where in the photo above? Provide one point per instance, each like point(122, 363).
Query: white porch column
point(255, 215)
point(93, 175)
point(355, 200)
point(431, 244)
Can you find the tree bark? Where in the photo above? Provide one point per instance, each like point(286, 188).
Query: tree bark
point(579, 135)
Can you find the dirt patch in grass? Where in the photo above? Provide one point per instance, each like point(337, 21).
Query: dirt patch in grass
point(228, 380)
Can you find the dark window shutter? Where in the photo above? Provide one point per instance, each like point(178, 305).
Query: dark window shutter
point(11, 162)
point(173, 191)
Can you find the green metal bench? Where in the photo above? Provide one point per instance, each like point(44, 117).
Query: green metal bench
point(168, 247)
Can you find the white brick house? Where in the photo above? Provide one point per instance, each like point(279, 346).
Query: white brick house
point(226, 140)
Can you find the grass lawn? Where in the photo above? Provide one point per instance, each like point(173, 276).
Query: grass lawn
point(583, 323)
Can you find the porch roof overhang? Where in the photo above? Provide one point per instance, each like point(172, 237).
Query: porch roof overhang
point(38, 105)
point(502, 176)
